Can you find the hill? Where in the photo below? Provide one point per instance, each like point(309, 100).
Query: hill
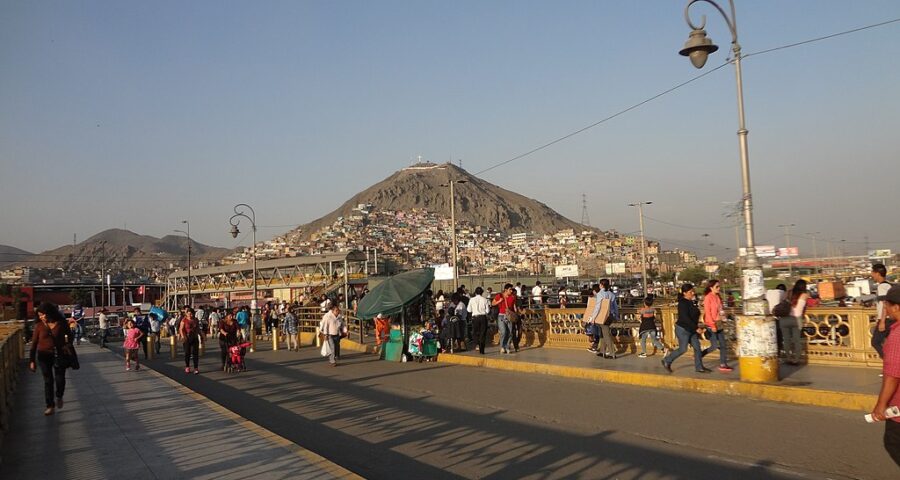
point(478, 202)
point(122, 249)
point(12, 255)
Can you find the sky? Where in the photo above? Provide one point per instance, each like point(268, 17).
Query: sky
point(140, 115)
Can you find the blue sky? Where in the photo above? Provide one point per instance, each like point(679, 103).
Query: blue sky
point(146, 113)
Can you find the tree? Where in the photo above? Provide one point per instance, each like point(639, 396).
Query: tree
point(696, 275)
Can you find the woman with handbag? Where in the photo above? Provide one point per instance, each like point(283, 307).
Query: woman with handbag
point(50, 337)
point(714, 318)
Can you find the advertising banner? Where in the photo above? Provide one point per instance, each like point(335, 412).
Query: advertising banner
point(563, 271)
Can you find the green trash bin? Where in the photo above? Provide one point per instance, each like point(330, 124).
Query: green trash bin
point(393, 349)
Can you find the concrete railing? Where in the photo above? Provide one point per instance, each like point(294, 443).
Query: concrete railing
point(834, 336)
point(12, 350)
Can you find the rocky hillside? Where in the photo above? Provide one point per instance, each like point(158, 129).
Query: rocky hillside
point(477, 201)
point(11, 255)
point(117, 248)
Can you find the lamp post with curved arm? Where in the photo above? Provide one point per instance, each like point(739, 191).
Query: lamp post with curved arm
point(758, 348)
point(239, 211)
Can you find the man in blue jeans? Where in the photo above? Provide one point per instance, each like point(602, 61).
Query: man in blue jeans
point(687, 329)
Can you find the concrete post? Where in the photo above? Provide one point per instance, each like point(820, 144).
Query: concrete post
point(757, 348)
point(151, 346)
point(202, 344)
point(274, 339)
point(173, 349)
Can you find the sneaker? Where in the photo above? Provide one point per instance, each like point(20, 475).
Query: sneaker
point(137, 367)
point(642, 355)
point(196, 372)
point(59, 403)
point(187, 369)
point(666, 365)
point(592, 349)
point(725, 368)
point(48, 411)
point(705, 370)
point(127, 368)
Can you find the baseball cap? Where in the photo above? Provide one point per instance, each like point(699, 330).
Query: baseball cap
point(893, 295)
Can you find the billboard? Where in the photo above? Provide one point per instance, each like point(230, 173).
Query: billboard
point(880, 253)
point(788, 252)
point(443, 271)
point(762, 251)
point(563, 271)
point(615, 268)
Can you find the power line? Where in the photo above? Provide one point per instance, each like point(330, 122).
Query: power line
point(676, 87)
point(826, 37)
point(687, 226)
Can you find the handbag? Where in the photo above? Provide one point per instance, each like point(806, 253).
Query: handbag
point(65, 355)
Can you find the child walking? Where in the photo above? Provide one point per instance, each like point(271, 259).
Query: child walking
point(132, 344)
point(648, 328)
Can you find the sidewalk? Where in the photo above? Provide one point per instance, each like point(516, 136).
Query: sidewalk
point(136, 425)
point(837, 387)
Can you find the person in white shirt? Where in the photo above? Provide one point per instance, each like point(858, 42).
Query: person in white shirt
point(103, 323)
point(537, 292)
point(479, 307)
point(776, 296)
point(332, 329)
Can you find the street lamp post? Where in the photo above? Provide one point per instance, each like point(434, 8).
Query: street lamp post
point(188, 234)
point(640, 206)
point(757, 344)
point(239, 210)
point(453, 231)
point(815, 250)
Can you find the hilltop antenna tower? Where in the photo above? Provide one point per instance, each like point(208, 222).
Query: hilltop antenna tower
point(585, 220)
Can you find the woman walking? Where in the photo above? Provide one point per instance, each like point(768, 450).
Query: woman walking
point(791, 332)
point(50, 335)
point(132, 344)
point(714, 318)
point(506, 301)
point(190, 332)
point(228, 333)
point(688, 329)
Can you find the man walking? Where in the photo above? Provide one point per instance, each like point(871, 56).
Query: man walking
point(883, 325)
point(537, 294)
point(605, 312)
point(331, 328)
point(479, 307)
point(142, 323)
point(103, 323)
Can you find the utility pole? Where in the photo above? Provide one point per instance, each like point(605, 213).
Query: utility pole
point(585, 220)
point(640, 206)
point(787, 241)
point(453, 252)
point(815, 251)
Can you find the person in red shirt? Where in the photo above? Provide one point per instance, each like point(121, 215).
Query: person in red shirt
point(890, 393)
point(506, 302)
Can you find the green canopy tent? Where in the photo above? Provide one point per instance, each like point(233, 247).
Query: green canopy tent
point(392, 296)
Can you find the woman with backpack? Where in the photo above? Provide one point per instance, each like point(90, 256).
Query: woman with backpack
point(791, 327)
point(189, 332)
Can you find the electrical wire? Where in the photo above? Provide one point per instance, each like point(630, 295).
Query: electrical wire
point(686, 226)
point(676, 87)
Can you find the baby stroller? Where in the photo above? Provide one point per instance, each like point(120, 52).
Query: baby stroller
point(235, 358)
point(423, 346)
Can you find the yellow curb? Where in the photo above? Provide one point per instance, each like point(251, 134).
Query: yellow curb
point(314, 459)
point(777, 393)
point(347, 344)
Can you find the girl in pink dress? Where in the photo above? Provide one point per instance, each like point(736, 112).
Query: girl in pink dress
point(132, 343)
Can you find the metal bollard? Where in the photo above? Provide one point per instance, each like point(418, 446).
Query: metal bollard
point(173, 350)
point(318, 338)
point(274, 339)
point(151, 346)
point(202, 344)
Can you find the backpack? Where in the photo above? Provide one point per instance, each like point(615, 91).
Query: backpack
point(783, 309)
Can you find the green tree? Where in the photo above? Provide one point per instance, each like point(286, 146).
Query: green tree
point(696, 275)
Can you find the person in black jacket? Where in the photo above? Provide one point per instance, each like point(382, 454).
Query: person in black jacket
point(687, 329)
